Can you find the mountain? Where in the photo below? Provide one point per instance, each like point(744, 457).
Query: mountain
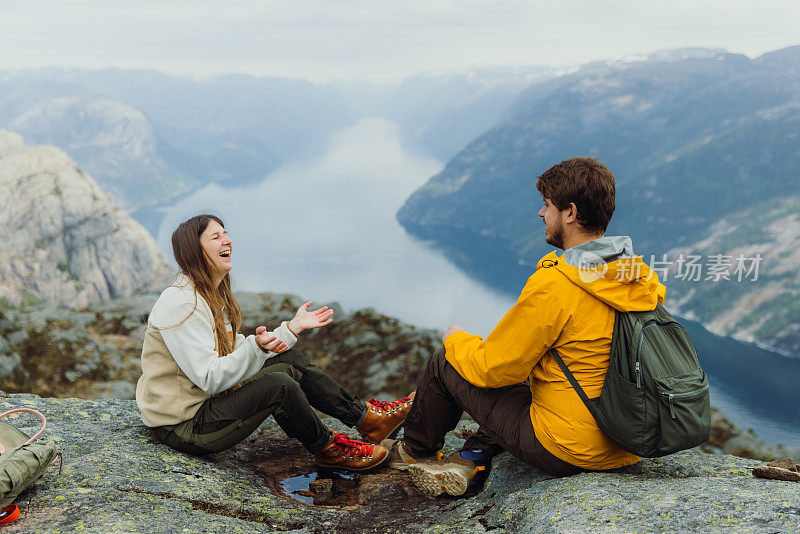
point(692, 136)
point(752, 293)
point(440, 113)
point(233, 126)
point(66, 240)
point(148, 136)
point(113, 140)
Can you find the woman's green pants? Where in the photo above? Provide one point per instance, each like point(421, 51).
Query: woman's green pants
point(288, 387)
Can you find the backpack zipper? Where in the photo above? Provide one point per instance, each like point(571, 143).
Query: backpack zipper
point(689, 394)
point(638, 366)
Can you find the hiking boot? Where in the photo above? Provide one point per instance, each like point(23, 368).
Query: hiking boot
point(383, 418)
point(344, 452)
point(400, 459)
point(451, 475)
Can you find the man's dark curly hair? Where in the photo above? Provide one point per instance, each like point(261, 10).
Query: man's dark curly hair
point(587, 183)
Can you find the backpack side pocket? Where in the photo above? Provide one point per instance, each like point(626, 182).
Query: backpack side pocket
point(684, 411)
point(621, 412)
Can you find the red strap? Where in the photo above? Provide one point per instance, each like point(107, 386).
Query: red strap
point(9, 514)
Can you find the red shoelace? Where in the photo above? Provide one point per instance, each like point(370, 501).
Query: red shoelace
point(352, 447)
point(388, 406)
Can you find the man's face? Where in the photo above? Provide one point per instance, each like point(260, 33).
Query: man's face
point(553, 225)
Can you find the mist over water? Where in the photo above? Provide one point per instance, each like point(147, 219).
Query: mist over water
point(326, 230)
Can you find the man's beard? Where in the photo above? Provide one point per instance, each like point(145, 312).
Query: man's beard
point(556, 236)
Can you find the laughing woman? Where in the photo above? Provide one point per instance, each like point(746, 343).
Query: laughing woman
point(205, 387)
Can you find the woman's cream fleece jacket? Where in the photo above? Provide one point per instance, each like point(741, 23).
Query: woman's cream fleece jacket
point(181, 367)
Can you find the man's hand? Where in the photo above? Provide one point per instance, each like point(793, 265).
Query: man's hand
point(269, 343)
point(453, 329)
point(306, 320)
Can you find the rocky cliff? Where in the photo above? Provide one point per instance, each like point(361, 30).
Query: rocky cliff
point(66, 241)
point(117, 478)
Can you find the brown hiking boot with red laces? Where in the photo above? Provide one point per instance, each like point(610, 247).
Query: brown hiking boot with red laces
point(344, 452)
point(383, 418)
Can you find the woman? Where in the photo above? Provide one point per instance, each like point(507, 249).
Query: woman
point(204, 387)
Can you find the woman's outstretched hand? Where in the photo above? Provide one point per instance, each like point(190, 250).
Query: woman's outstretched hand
point(306, 320)
point(269, 342)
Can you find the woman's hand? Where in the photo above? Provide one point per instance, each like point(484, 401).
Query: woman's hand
point(306, 320)
point(269, 343)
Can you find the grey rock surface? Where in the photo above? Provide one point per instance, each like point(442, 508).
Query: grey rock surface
point(117, 478)
point(67, 243)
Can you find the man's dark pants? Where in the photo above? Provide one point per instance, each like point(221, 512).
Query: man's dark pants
point(288, 387)
point(502, 414)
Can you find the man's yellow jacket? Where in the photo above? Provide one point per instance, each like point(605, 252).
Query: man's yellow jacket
point(572, 309)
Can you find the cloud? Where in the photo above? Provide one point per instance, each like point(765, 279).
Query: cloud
point(374, 39)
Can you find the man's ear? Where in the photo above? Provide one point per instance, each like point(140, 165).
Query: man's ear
point(572, 213)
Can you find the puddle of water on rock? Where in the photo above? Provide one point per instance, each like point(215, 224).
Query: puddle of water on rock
point(347, 475)
point(292, 486)
point(298, 487)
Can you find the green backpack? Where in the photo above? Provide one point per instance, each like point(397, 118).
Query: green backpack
point(655, 398)
point(22, 461)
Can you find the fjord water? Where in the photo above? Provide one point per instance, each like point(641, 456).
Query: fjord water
point(325, 229)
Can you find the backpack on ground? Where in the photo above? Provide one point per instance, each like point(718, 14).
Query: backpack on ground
point(655, 398)
point(23, 461)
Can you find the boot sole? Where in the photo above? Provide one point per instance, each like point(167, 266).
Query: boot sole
point(434, 481)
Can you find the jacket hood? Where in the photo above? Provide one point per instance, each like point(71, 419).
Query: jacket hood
point(608, 269)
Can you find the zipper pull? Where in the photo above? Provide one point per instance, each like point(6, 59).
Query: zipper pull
point(671, 408)
point(638, 375)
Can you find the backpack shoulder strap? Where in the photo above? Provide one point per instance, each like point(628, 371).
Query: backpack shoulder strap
point(31, 411)
point(577, 387)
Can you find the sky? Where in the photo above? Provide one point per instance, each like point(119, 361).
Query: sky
point(375, 40)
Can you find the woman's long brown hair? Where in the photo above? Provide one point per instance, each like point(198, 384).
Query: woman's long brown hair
point(191, 259)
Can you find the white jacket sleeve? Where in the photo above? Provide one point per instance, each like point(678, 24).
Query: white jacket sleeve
point(192, 344)
point(282, 332)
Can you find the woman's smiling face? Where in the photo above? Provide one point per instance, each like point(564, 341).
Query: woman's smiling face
point(217, 247)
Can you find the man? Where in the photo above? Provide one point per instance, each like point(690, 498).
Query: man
point(568, 304)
